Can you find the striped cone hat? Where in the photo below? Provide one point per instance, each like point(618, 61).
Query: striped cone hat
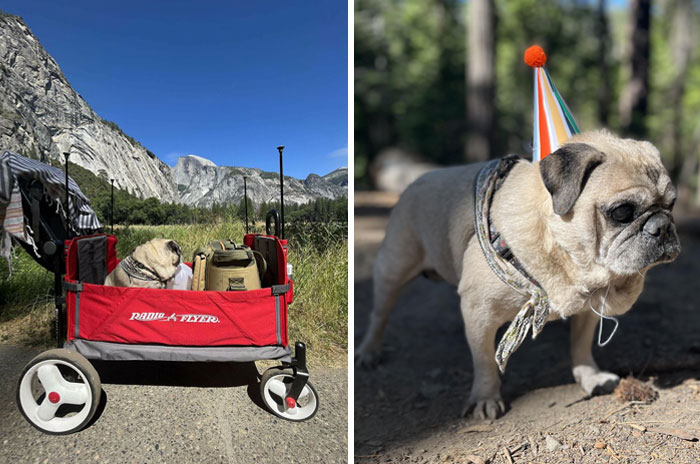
point(553, 122)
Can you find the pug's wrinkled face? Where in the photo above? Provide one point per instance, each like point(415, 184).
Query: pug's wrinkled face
point(637, 226)
point(160, 255)
point(613, 200)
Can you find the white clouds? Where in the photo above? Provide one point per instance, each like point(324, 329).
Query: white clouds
point(171, 158)
point(339, 153)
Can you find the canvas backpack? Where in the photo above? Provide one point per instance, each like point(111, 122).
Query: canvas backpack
point(225, 266)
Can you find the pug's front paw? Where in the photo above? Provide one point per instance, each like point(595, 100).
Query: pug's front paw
point(367, 359)
point(595, 382)
point(490, 408)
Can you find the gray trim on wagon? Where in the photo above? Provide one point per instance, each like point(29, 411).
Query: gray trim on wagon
point(108, 351)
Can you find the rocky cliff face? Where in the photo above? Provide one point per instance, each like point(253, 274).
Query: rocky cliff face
point(42, 116)
point(200, 182)
point(338, 177)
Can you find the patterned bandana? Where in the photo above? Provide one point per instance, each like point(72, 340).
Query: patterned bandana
point(137, 270)
point(535, 311)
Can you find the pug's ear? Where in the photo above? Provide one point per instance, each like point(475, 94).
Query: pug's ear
point(174, 247)
point(566, 171)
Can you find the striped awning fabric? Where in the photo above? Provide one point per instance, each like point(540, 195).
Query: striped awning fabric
point(13, 166)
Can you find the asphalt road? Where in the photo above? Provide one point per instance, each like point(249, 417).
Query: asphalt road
point(179, 413)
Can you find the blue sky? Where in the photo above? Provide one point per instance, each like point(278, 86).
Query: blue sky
point(226, 80)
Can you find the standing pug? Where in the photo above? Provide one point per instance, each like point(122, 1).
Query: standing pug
point(583, 225)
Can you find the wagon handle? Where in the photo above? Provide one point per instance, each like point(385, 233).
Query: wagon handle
point(245, 199)
point(280, 148)
point(66, 205)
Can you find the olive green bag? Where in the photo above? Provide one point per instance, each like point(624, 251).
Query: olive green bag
point(230, 267)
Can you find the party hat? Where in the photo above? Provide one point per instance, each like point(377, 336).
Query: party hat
point(553, 121)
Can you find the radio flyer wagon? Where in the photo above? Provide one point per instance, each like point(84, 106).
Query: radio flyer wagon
point(59, 390)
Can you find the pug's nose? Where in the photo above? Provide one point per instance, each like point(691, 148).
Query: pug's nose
point(657, 225)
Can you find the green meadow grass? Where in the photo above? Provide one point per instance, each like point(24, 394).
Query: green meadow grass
point(26, 302)
point(318, 316)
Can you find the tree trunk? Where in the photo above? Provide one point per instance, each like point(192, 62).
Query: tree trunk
point(481, 79)
point(633, 104)
point(697, 193)
point(604, 66)
point(681, 47)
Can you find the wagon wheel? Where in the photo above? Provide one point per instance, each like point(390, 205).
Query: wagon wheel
point(58, 392)
point(274, 387)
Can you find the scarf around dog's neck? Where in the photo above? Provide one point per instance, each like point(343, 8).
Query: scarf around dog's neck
point(137, 270)
point(504, 264)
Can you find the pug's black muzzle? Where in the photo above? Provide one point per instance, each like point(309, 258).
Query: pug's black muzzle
point(660, 231)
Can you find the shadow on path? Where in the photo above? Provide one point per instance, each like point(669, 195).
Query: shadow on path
point(426, 373)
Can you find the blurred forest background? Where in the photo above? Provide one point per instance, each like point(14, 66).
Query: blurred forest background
point(445, 79)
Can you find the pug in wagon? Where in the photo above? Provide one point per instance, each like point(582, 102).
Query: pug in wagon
point(151, 265)
point(570, 236)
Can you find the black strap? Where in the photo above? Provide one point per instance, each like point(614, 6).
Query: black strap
point(280, 289)
point(73, 286)
point(236, 284)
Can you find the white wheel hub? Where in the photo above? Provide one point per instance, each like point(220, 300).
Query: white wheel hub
point(275, 393)
point(44, 389)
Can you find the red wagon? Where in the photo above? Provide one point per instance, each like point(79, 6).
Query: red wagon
point(59, 390)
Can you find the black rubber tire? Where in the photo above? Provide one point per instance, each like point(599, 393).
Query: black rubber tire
point(287, 372)
point(87, 372)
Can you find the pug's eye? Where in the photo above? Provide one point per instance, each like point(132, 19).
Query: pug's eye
point(623, 213)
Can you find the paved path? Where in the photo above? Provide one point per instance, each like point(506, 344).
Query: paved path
point(179, 413)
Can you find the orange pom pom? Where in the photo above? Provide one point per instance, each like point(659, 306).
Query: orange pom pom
point(535, 57)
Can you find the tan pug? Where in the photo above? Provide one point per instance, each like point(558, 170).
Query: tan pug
point(587, 222)
point(150, 265)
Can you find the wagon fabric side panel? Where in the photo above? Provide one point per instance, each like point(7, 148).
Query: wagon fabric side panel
point(72, 260)
point(177, 317)
point(280, 253)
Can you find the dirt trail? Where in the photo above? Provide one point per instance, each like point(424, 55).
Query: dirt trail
point(408, 409)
